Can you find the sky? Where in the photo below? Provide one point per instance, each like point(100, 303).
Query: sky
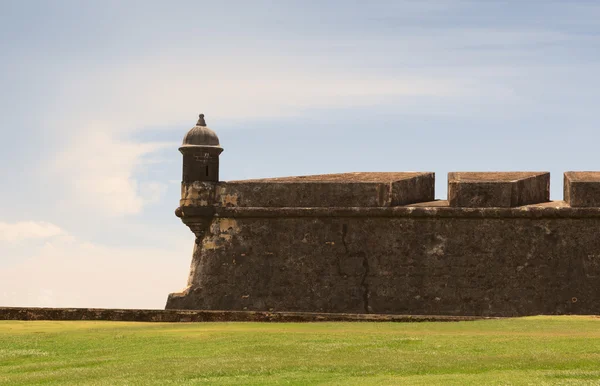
point(96, 96)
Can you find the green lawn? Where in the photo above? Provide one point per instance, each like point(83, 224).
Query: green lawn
point(533, 350)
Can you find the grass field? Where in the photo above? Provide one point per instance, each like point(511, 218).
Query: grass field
point(533, 350)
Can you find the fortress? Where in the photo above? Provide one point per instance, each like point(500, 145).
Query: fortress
point(381, 243)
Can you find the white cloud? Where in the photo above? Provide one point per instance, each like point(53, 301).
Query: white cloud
point(98, 171)
point(150, 91)
point(25, 230)
point(66, 272)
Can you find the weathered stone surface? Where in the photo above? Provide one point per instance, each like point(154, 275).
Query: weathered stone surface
point(582, 189)
point(497, 189)
point(539, 259)
point(198, 194)
point(329, 190)
point(132, 315)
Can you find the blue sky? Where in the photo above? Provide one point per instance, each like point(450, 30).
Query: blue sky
point(97, 95)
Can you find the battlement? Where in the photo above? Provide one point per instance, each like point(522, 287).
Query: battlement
point(393, 189)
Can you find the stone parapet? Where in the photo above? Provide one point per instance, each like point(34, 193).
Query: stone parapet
point(328, 190)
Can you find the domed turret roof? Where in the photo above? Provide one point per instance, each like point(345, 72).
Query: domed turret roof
point(200, 135)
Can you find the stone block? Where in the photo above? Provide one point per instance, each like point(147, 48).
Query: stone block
point(330, 190)
point(497, 189)
point(582, 189)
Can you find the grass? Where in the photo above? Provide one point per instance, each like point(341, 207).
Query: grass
point(534, 350)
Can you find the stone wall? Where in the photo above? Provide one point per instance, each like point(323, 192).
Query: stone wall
point(499, 247)
point(133, 315)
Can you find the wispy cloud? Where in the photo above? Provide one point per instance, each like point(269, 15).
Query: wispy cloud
point(158, 91)
point(25, 230)
point(97, 171)
point(66, 272)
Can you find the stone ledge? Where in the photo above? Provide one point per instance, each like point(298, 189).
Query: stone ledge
point(554, 209)
point(134, 315)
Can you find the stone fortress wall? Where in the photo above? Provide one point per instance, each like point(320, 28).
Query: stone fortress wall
point(381, 243)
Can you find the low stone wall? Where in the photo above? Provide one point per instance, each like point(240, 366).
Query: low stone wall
point(132, 315)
